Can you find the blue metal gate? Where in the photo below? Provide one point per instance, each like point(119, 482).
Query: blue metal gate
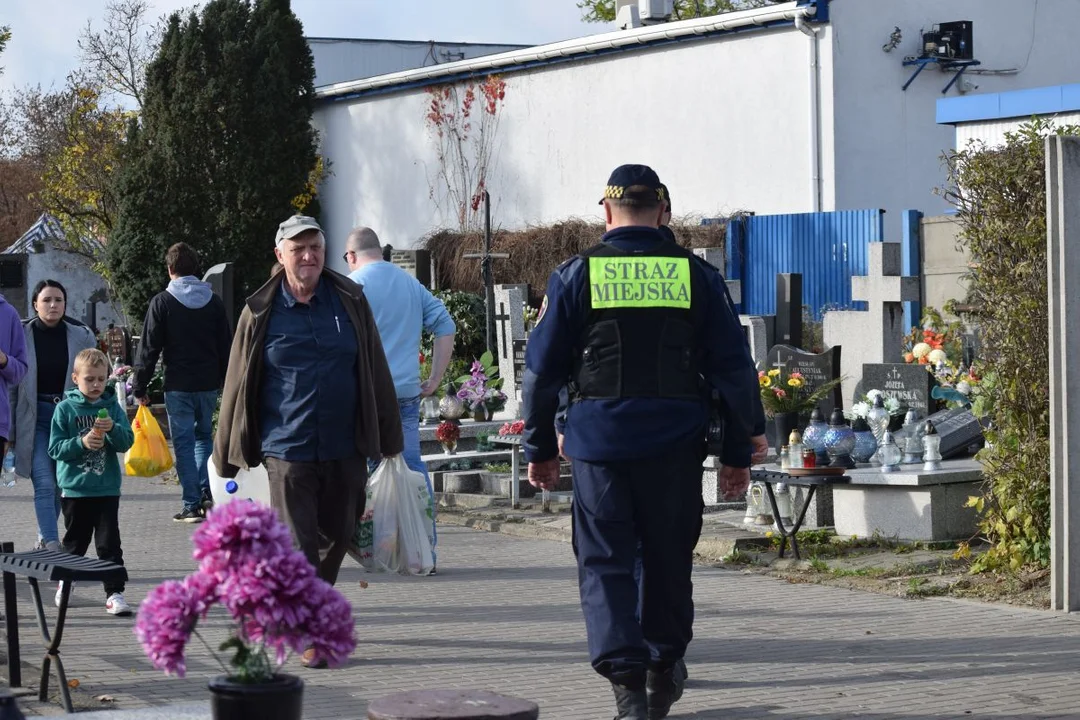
point(828, 248)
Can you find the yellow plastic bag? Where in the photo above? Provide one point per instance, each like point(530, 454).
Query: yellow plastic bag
point(149, 455)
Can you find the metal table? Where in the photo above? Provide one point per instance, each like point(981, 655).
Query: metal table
point(811, 482)
point(514, 442)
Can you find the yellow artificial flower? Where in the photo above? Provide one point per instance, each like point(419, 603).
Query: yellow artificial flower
point(774, 372)
point(765, 381)
point(795, 382)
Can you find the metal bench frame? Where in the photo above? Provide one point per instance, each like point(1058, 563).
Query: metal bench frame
point(52, 566)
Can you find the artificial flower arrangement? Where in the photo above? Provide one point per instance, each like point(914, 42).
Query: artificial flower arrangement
point(121, 375)
point(481, 387)
point(247, 564)
point(512, 428)
point(937, 341)
point(784, 392)
point(448, 432)
point(862, 408)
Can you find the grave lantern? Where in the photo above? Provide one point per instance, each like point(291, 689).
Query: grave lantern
point(429, 410)
point(865, 442)
point(840, 441)
point(814, 436)
point(889, 454)
point(931, 448)
point(912, 438)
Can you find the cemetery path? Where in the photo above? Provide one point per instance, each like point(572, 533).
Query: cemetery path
point(503, 615)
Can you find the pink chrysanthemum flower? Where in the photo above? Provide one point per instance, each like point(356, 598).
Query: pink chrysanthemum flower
point(237, 532)
point(166, 620)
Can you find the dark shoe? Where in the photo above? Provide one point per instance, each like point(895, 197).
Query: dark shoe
point(680, 670)
point(189, 515)
point(663, 690)
point(631, 704)
point(207, 502)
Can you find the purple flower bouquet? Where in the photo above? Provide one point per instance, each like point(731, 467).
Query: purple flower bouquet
point(247, 564)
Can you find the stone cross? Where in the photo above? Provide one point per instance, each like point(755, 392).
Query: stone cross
point(1063, 269)
point(510, 327)
point(876, 335)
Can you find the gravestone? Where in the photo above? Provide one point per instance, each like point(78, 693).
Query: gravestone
point(910, 384)
point(118, 344)
point(959, 431)
point(716, 258)
point(510, 341)
point(222, 281)
point(415, 262)
point(789, 308)
point(757, 335)
point(874, 335)
point(817, 369)
point(1063, 269)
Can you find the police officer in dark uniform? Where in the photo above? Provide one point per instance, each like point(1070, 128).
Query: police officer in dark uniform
point(642, 333)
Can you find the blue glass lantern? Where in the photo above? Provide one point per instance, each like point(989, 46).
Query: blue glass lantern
point(865, 442)
point(839, 441)
point(814, 437)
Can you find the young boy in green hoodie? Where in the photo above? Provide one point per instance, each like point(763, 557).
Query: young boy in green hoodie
point(88, 429)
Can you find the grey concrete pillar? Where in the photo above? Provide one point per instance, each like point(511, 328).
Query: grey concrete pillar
point(1063, 268)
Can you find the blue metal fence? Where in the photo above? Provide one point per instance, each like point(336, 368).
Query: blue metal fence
point(828, 248)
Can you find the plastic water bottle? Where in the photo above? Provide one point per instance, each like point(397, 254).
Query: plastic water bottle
point(7, 477)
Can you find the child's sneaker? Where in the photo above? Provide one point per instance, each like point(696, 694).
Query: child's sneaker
point(116, 605)
point(59, 591)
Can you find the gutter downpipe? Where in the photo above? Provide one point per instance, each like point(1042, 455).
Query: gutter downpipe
point(815, 113)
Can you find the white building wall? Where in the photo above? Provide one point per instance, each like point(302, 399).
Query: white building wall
point(723, 121)
point(888, 145)
point(992, 132)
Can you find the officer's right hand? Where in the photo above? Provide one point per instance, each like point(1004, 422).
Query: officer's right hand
point(760, 449)
point(734, 481)
point(544, 475)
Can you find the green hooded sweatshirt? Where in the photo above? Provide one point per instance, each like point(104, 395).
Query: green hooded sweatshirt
point(81, 472)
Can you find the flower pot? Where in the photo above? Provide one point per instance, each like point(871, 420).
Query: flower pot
point(481, 414)
point(784, 424)
point(450, 447)
point(280, 699)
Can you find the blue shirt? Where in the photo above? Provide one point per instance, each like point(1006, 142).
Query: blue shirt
point(635, 428)
point(308, 394)
point(402, 308)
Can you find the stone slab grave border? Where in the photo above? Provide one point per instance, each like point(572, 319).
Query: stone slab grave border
point(910, 504)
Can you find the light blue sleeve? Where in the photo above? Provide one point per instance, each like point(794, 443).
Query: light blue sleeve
point(437, 320)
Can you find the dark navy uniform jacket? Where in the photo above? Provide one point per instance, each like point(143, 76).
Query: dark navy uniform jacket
point(634, 428)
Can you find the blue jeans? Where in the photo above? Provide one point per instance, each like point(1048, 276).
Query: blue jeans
point(191, 417)
point(409, 409)
point(43, 475)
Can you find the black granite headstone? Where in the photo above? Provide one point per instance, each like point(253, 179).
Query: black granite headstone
point(222, 281)
point(817, 369)
point(789, 309)
point(959, 431)
point(910, 384)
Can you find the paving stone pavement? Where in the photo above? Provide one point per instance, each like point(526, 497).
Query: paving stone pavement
point(503, 615)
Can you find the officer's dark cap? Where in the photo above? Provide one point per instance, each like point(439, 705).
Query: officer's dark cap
point(635, 182)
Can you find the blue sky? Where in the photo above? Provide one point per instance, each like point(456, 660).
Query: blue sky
point(43, 47)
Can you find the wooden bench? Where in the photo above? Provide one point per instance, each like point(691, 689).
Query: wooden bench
point(451, 705)
point(51, 566)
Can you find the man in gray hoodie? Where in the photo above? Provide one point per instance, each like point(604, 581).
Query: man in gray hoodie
point(187, 323)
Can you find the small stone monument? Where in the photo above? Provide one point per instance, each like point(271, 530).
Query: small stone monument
point(509, 337)
point(910, 384)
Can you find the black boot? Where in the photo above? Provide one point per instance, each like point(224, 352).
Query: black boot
point(663, 689)
point(631, 704)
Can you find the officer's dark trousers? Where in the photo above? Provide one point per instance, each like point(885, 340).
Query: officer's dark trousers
point(656, 502)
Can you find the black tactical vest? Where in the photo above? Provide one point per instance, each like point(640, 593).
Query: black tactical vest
point(639, 339)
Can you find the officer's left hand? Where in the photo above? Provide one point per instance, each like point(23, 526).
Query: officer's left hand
point(545, 475)
point(734, 481)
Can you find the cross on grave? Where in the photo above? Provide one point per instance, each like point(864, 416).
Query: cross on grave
point(875, 335)
point(485, 272)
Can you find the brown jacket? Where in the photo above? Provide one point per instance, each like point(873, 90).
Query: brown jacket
point(238, 443)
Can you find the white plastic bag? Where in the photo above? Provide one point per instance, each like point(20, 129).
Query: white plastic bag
point(395, 531)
